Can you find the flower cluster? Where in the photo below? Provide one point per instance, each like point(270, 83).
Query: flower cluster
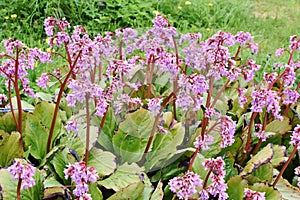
point(24, 172)
point(154, 105)
point(185, 186)
point(253, 195)
point(72, 125)
point(81, 175)
point(218, 186)
point(203, 142)
point(295, 138)
point(297, 172)
point(227, 131)
point(266, 98)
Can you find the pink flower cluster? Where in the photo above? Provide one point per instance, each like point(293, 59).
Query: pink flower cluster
point(253, 195)
point(185, 186)
point(297, 172)
point(81, 175)
point(218, 186)
point(24, 171)
point(295, 138)
point(266, 98)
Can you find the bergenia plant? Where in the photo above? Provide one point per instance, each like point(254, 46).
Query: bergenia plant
point(158, 115)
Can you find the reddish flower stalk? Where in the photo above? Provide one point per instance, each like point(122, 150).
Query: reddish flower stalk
point(249, 139)
point(88, 122)
point(60, 93)
point(285, 166)
point(260, 139)
point(19, 189)
point(154, 127)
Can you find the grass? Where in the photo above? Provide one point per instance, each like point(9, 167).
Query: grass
point(271, 22)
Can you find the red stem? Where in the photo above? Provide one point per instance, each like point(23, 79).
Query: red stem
point(19, 189)
point(156, 121)
point(88, 122)
point(249, 138)
point(285, 166)
point(60, 93)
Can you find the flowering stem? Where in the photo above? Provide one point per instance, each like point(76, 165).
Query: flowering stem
point(237, 53)
point(60, 93)
point(156, 121)
point(150, 77)
point(285, 166)
point(204, 122)
point(260, 139)
point(88, 122)
point(10, 103)
point(120, 49)
point(19, 189)
point(16, 86)
point(206, 179)
point(219, 93)
point(249, 139)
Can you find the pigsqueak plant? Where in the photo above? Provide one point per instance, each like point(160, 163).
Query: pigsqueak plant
point(156, 115)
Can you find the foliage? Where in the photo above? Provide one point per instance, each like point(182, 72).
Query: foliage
point(150, 115)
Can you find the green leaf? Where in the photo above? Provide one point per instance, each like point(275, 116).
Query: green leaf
point(229, 166)
point(158, 193)
point(164, 145)
point(270, 192)
point(35, 137)
point(279, 156)
point(103, 161)
point(198, 167)
point(37, 129)
point(262, 157)
point(236, 186)
point(59, 163)
point(124, 175)
point(287, 191)
point(9, 187)
point(10, 147)
point(132, 191)
point(264, 172)
point(95, 192)
point(8, 124)
point(132, 136)
point(108, 130)
point(278, 126)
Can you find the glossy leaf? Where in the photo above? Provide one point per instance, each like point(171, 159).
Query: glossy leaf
point(287, 190)
point(279, 156)
point(270, 192)
point(236, 186)
point(132, 191)
point(10, 147)
point(95, 192)
point(164, 145)
point(131, 138)
point(103, 161)
point(9, 187)
point(158, 193)
point(125, 175)
point(262, 157)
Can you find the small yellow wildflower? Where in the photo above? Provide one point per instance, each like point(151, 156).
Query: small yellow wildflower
point(179, 8)
point(6, 17)
point(155, 12)
point(47, 40)
point(13, 16)
point(36, 64)
point(207, 29)
point(210, 4)
point(48, 49)
point(188, 3)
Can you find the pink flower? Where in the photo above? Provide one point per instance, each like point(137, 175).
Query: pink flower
point(43, 80)
point(295, 138)
point(185, 186)
point(2, 98)
point(72, 126)
point(279, 52)
point(81, 175)
point(242, 97)
point(154, 105)
point(227, 131)
point(24, 171)
point(253, 195)
point(243, 38)
point(291, 96)
point(203, 144)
